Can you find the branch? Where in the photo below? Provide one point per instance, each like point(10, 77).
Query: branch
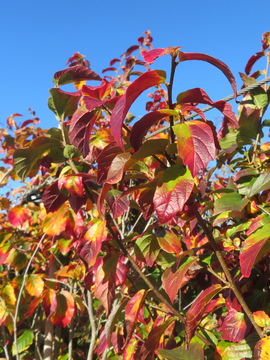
point(5, 343)
point(150, 285)
point(232, 285)
point(20, 295)
point(93, 325)
point(174, 64)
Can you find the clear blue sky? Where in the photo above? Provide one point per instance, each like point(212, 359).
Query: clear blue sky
point(37, 38)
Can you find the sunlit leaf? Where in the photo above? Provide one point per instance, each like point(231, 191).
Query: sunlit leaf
point(211, 60)
point(81, 126)
point(34, 284)
point(65, 309)
point(74, 73)
point(195, 144)
point(173, 190)
point(172, 278)
point(261, 349)
point(257, 245)
point(141, 127)
point(91, 241)
point(261, 318)
point(146, 80)
point(50, 302)
point(149, 347)
point(132, 311)
point(230, 202)
point(258, 184)
point(147, 248)
point(170, 242)
point(105, 281)
point(23, 342)
point(235, 327)
point(195, 351)
point(25, 159)
point(198, 95)
point(227, 350)
point(62, 103)
point(18, 215)
point(195, 313)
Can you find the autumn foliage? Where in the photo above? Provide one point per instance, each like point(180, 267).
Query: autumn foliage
point(121, 241)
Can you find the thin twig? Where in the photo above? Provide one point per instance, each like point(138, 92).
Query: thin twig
point(5, 343)
point(93, 325)
point(20, 294)
point(232, 285)
point(150, 285)
point(134, 225)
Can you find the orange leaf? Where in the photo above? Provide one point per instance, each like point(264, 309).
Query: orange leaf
point(34, 284)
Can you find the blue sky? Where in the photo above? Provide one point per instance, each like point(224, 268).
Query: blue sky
point(37, 38)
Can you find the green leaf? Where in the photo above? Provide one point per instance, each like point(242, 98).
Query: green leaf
point(62, 103)
point(70, 151)
point(25, 159)
point(23, 342)
point(229, 202)
point(229, 142)
point(147, 248)
point(195, 352)
point(227, 350)
point(259, 184)
point(259, 96)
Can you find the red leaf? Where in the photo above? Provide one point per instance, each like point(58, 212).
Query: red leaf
point(152, 55)
point(113, 61)
point(151, 344)
point(173, 278)
point(91, 241)
point(50, 302)
point(65, 309)
point(18, 215)
point(80, 129)
point(74, 74)
point(146, 80)
point(109, 69)
point(235, 326)
point(53, 198)
point(256, 249)
point(121, 271)
point(120, 205)
point(172, 192)
point(195, 313)
point(132, 310)
point(198, 95)
point(105, 283)
point(195, 144)
point(252, 60)
point(74, 184)
point(92, 103)
point(131, 49)
point(146, 202)
point(97, 92)
point(105, 159)
point(141, 127)
point(217, 63)
point(33, 305)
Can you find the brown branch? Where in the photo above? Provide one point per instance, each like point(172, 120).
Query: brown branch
point(150, 285)
point(232, 285)
point(170, 85)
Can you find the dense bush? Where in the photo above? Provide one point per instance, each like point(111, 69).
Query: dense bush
point(121, 243)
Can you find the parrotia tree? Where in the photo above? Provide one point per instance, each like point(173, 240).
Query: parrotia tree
point(121, 243)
